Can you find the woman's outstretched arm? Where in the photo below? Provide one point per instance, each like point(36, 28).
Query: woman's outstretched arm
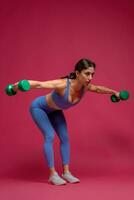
point(102, 90)
point(52, 84)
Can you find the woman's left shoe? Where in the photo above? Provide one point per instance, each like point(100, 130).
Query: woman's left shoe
point(70, 178)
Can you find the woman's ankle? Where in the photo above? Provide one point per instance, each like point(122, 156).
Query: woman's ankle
point(52, 171)
point(65, 169)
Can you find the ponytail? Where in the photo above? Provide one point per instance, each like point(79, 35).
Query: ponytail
point(72, 75)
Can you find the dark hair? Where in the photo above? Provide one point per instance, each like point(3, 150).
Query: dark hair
point(79, 66)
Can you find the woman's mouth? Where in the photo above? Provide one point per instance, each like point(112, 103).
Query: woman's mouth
point(87, 82)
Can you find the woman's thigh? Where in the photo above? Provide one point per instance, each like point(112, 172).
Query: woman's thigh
point(59, 124)
point(43, 122)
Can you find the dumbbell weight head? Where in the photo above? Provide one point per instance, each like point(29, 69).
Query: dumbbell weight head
point(24, 85)
point(124, 95)
point(9, 90)
point(114, 99)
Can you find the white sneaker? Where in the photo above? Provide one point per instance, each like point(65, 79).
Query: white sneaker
point(70, 178)
point(55, 179)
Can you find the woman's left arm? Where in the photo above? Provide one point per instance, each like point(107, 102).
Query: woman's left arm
point(102, 90)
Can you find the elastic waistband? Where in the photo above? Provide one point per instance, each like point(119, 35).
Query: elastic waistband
point(40, 102)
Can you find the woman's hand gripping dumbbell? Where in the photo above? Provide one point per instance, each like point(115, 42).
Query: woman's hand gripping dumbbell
point(22, 85)
point(122, 95)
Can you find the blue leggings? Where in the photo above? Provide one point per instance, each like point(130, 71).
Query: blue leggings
point(50, 121)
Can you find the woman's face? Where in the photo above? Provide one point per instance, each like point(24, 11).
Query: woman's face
point(85, 76)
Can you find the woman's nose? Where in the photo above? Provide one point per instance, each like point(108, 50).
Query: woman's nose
point(90, 77)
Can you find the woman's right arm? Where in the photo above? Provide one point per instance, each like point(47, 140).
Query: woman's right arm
point(52, 84)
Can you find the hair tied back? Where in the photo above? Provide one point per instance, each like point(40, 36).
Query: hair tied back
point(72, 75)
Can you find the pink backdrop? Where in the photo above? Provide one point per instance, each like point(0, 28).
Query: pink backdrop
point(42, 41)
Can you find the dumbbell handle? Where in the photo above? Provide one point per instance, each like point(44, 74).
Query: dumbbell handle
point(15, 87)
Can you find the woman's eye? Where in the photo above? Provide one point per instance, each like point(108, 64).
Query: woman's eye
point(87, 74)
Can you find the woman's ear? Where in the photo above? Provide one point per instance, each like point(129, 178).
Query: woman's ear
point(77, 73)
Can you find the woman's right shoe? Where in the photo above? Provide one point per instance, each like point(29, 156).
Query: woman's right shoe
point(70, 178)
point(55, 179)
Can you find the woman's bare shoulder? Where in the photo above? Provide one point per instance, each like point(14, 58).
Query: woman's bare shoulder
point(55, 83)
point(61, 83)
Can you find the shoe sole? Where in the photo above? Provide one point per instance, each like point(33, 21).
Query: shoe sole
point(69, 181)
point(50, 182)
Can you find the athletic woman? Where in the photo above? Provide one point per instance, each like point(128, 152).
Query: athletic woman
point(47, 113)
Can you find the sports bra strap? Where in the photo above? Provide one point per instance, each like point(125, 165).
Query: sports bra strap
point(67, 90)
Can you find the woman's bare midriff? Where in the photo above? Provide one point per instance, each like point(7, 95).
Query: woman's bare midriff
point(50, 102)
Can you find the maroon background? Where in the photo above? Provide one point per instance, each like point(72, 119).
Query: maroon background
point(42, 40)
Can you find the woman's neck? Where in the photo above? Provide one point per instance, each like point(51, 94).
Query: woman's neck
point(76, 85)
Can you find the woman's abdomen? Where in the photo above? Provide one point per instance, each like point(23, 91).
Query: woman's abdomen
point(41, 102)
point(50, 102)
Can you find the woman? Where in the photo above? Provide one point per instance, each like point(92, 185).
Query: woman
point(47, 113)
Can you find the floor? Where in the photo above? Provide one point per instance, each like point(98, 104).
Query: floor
point(94, 188)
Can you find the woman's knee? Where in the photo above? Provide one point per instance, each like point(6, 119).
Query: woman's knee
point(64, 138)
point(49, 138)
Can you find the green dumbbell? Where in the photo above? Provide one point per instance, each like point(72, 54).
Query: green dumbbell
point(24, 85)
point(123, 95)
point(9, 90)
